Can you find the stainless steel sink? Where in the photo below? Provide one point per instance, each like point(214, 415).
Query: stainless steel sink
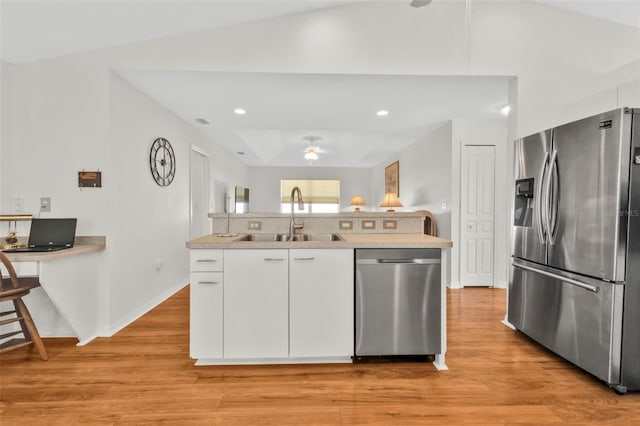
point(322, 237)
point(262, 237)
point(268, 237)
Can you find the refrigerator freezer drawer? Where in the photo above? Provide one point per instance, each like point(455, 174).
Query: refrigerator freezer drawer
point(580, 323)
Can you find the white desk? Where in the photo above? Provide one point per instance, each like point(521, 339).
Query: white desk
point(71, 279)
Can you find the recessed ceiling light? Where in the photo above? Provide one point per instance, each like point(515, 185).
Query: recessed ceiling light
point(240, 111)
point(505, 110)
point(382, 113)
point(203, 121)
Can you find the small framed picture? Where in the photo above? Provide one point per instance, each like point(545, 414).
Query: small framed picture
point(392, 178)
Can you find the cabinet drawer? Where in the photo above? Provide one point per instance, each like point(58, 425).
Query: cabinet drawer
point(205, 260)
point(206, 278)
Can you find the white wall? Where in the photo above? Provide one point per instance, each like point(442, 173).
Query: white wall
point(146, 219)
point(425, 177)
point(472, 132)
point(65, 116)
point(264, 184)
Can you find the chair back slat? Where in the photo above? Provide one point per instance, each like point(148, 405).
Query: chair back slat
point(12, 276)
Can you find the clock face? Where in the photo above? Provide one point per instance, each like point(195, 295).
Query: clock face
point(162, 161)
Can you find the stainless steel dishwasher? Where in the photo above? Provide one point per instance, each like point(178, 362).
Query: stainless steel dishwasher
point(397, 302)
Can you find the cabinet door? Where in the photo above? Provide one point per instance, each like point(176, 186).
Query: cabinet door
point(321, 303)
point(206, 315)
point(256, 303)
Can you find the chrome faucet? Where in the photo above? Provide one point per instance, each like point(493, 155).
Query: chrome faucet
point(292, 223)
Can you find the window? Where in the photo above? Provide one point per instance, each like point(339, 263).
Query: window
point(320, 196)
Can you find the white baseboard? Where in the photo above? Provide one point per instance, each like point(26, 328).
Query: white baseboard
point(119, 325)
point(455, 285)
point(500, 284)
point(508, 324)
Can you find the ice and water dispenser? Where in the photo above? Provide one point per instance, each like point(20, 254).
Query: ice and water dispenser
point(523, 211)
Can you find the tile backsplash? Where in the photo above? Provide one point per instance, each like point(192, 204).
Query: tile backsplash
point(345, 223)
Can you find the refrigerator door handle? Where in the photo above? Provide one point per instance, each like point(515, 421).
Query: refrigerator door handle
point(540, 208)
point(577, 283)
point(552, 198)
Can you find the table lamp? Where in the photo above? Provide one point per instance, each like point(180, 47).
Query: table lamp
point(11, 241)
point(390, 200)
point(357, 201)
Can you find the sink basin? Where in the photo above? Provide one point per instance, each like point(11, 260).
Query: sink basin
point(267, 237)
point(322, 237)
point(262, 237)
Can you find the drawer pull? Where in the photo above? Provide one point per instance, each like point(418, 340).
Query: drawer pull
point(207, 260)
point(304, 258)
point(208, 282)
point(273, 259)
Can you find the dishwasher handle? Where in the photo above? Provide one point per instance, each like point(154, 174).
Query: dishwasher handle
point(398, 261)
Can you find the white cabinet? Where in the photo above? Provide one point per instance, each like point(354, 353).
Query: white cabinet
point(206, 287)
point(205, 260)
point(320, 303)
point(206, 314)
point(271, 304)
point(256, 303)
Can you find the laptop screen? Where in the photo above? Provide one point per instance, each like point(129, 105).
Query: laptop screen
point(52, 232)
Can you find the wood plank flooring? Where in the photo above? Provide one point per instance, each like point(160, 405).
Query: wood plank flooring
point(144, 375)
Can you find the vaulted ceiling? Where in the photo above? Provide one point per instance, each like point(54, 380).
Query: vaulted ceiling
point(283, 110)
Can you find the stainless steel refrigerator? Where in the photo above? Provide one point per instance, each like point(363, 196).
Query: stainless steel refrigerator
point(574, 281)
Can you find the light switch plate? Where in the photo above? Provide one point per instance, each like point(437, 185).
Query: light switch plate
point(45, 204)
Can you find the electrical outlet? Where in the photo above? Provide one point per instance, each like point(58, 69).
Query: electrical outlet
point(45, 204)
point(368, 224)
point(444, 204)
point(345, 224)
point(19, 206)
point(389, 224)
point(255, 225)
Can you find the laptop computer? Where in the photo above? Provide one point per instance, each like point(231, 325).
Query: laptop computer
point(49, 235)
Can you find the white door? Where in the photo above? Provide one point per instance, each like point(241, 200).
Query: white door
point(477, 215)
point(199, 176)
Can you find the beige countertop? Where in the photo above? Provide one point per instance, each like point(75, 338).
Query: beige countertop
point(347, 241)
point(82, 245)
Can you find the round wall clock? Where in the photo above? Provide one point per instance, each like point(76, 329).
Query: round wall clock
point(162, 161)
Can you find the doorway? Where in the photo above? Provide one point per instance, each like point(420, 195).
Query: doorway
point(477, 215)
point(199, 194)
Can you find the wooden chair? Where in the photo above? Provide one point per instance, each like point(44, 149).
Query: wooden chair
point(430, 227)
point(14, 288)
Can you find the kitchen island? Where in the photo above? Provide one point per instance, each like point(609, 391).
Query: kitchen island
point(256, 299)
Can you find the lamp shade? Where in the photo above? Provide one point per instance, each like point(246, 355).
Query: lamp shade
point(357, 201)
point(390, 200)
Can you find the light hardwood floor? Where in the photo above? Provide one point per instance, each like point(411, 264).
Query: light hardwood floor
point(144, 375)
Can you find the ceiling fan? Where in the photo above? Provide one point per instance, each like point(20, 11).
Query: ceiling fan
point(419, 3)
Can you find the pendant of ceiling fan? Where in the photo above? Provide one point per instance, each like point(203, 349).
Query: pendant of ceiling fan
point(419, 3)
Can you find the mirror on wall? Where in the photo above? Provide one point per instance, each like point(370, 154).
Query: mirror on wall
point(242, 199)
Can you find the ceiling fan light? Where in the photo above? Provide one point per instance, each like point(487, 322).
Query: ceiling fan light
point(311, 154)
